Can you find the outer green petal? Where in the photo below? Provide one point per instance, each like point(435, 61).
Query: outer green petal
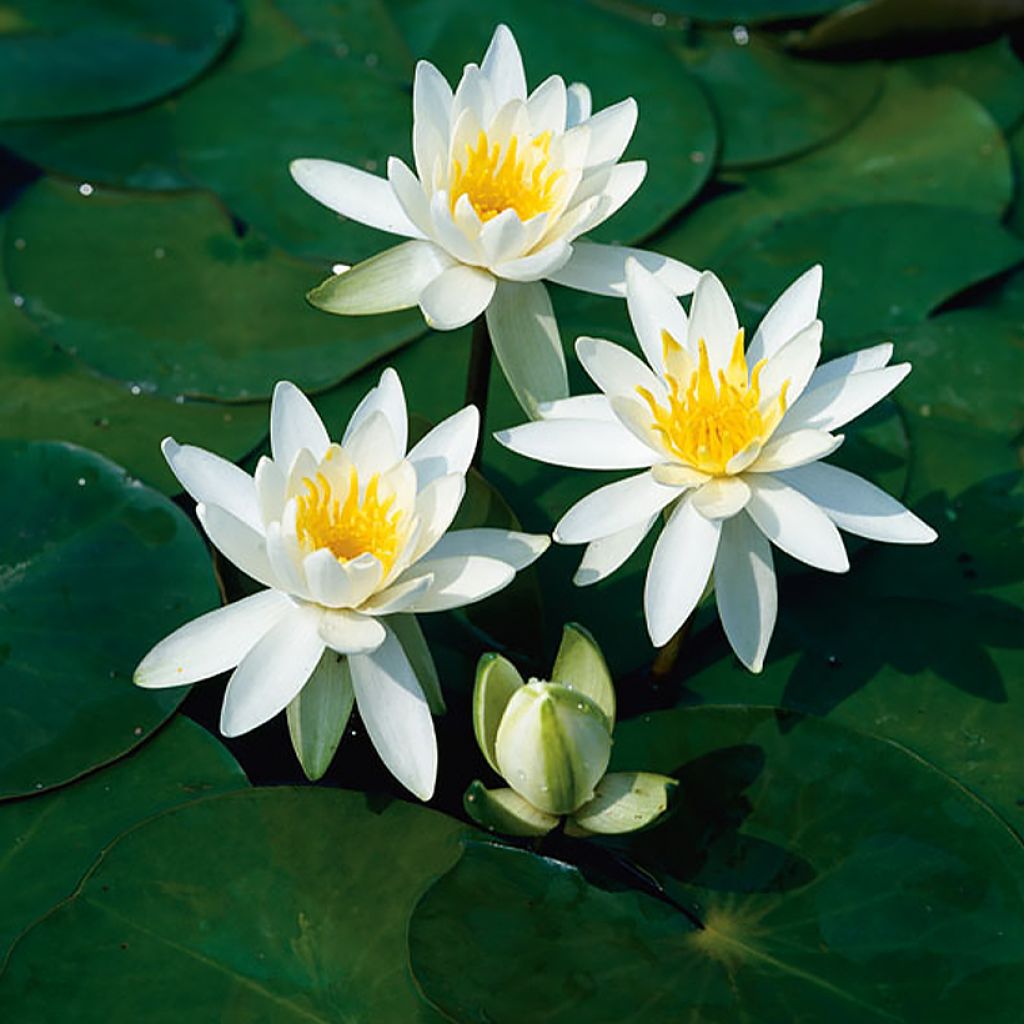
point(525, 339)
point(414, 643)
point(497, 679)
point(624, 802)
point(580, 665)
point(317, 716)
point(504, 810)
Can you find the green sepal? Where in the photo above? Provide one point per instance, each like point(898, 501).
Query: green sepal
point(580, 665)
point(414, 643)
point(319, 712)
point(624, 802)
point(496, 680)
point(504, 810)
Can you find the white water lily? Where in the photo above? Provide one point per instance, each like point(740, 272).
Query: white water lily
point(730, 443)
point(351, 541)
point(505, 185)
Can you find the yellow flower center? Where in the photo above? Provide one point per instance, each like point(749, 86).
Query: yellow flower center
point(347, 526)
point(707, 423)
point(511, 179)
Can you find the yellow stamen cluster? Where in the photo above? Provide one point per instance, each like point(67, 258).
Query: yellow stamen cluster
point(516, 179)
point(348, 527)
point(707, 423)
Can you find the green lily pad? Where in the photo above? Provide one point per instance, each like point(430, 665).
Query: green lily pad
point(94, 570)
point(49, 394)
point(182, 306)
point(94, 56)
point(67, 828)
point(751, 11)
point(676, 131)
point(771, 106)
point(272, 904)
point(837, 878)
point(1016, 142)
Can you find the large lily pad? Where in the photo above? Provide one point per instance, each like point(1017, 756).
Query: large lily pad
point(752, 11)
point(93, 56)
point(94, 569)
point(837, 878)
point(183, 305)
point(277, 904)
point(676, 132)
point(67, 828)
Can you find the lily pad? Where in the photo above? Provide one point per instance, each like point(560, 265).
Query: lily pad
point(275, 904)
point(67, 828)
point(94, 56)
point(747, 10)
point(182, 305)
point(676, 132)
point(769, 105)
point(94, 569)
point(836, 878)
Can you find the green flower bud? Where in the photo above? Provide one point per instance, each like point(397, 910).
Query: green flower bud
point(553, 745)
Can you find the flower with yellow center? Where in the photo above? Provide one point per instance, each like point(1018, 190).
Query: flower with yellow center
point(729, 440)
point(505, 185)
point(351, 541)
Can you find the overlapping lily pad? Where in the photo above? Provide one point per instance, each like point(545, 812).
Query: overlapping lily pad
point(835, 876)
point(95, 56)
point(94, 569)
point(66, 829)
point(220, 315)
point(274, 904)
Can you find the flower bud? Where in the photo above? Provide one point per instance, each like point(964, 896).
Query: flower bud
point(553, 746)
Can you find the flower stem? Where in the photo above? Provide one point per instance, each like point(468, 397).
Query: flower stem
point(665, 659)
point(478, 378)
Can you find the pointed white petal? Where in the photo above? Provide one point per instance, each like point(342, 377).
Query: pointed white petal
point(503, 238)
point(679, 570)
point(436, 507)
point(673, 474)
point(721, 498)
point(795, 524)
point(295, 424)
point(503, 67)
point(524, 334)
point(579, 407)
point(509, 546)
point(398, 597)
point(613, 508)
point(448, 448)
point(431, 98)
point(580, 444)
point(388, 399)
point(613, 186)
point(546, 106)
point(578, 104)
point(830, 405)
point(793, 362)
point(653, 308)
point(269, 480)
point(610, 131)
point(459, 580)
point(603, 556)
point(615, 370)
point(791, 312)
point(537, 265)
point(238, 543)
point(214, 481)
point(713, 321)
point(349, 632)
point(450, 235)
point(409, 192)
point(857, 506)
point(796, 449)
point(273, 672)
point(456, 297)
point(873, 358)
point(372, 446)
point(329, 582)
point(744, 458)
point(213, 643)
point(601, 269)
point(285, 556)
point(414, 643)
point(745, 590)
point(396, 716)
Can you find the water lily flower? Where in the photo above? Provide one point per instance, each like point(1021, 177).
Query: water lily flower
point(351, 542)
point(730, 441)
point(505, 186)
point(551, 741)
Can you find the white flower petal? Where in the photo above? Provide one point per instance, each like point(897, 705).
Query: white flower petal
point(509, 546)
point(328, 582)
point(580, 444)
point(214, 481)
point(269, 479)
point(873, 358)
point(354, 194)
point(450, 235)
point(473, 94)
point(616, 370)
point(614, 186)
point(456, 297)
point(396, 716)
point(372, 446)
point(744, 458)
point(603, 556)
point(294, 425)
point(713, 321)
point(721, 498)
point(436, 507)
point(398, 597)
point(679, 570)
point(745, 590)
point(409, 192)
point(414, 643)
point(578, 104)
point(447, 448)
point(673, 474)
point(459, 580)
point(653, 308)
point(388, 399)
point(238, 543)
point(525, 338)
point(213, 643)
point(502, 238)
point(273, 672)
point(432, 112)
point(546, 106)
point(795, 449)
point(285, 556)
point(537, 265)
point(393, 279)
point(610, 131)
point(795, 524)
point(503, 67)
point(830, 405)
point(793, 362)
point(601, 269)
point(347, 632)
point(579, 407)
point(613, 508)
point(791, 312)
point(857, 506)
